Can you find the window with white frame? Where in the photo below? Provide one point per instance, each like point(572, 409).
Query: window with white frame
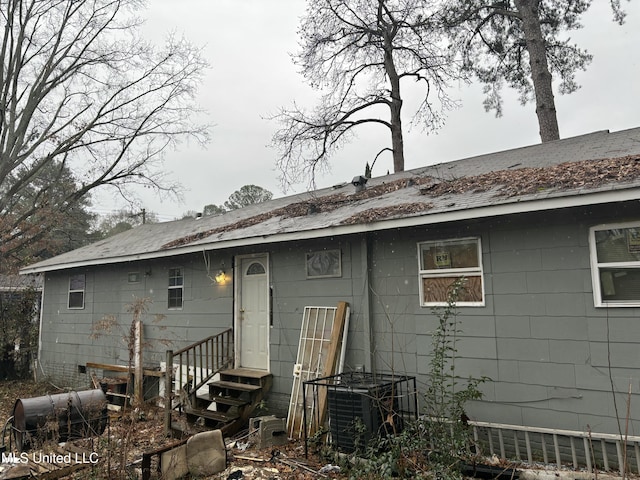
point(77, 284)
point(176, 288)
point(444, 262)
point(615, 264)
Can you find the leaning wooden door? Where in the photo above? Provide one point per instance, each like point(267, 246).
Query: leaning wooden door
point(252, 317)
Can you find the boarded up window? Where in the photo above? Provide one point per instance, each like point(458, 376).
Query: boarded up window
point(442, 263)
point(436, 289)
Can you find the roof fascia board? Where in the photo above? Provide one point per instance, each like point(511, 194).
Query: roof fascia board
point(502, 209)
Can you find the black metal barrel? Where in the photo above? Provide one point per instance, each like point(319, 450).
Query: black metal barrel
point(62, 417)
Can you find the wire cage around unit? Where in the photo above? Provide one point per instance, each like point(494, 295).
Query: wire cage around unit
point(355, 407)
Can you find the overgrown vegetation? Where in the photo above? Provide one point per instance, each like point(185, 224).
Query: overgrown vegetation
point(444, 423)
point(18, 332)
point(132, 338)
point(439, 443)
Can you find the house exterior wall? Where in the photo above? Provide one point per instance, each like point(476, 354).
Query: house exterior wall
point(293, 291)
point(551, 356)
point(539, 338)
point(68, 341)
point(97, 333)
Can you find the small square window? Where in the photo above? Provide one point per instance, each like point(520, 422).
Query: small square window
point(175, 288)
point(77, 284)
point(443, 263)
point(133, 277)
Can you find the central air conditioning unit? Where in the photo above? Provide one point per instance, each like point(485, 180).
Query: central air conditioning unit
point(356, 413)
point(359, 407)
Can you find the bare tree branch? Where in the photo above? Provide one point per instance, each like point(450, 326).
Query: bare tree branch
point(80, 89)
point(359, 52)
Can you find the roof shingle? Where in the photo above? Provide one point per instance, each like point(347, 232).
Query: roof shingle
point(584, 165)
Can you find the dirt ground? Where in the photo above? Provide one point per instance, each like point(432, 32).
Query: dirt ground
point(126, 439)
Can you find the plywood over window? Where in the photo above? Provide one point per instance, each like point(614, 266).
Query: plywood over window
point(442, 263)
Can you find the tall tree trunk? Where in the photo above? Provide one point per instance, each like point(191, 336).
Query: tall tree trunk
point(540, 75)
point(397, 143)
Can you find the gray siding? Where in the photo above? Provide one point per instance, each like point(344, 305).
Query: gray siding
point(68, 338)
point(550, 354)
point(539, 338)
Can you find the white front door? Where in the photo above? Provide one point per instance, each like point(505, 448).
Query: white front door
point(252, 313)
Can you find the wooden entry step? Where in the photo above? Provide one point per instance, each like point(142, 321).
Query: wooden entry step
point(240, 387)
point(246, 376)
point(246, 372)
point(221, 417)
point(231, 400)
point(234, 402)
point(236, 395)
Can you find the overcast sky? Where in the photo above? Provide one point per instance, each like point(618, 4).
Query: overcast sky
point(248, 42)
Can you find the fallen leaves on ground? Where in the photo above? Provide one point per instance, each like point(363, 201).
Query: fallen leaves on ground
point(141, 430)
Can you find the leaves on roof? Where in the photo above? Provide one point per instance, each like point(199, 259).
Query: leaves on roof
point(381, 213)
point(509, 183)
point(524, 181)
point(320, 204)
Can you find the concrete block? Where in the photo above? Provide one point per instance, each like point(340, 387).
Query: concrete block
point(174, 463)
point(268, 431)
point(206, 454)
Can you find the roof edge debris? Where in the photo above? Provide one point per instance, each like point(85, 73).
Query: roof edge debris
point(585, 174)
point(514, 207)
point(589, 169)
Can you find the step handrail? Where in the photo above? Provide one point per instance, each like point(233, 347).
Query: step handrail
point(199, 362)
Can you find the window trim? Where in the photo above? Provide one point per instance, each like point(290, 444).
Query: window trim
point(449, 272)
point(83, 290)
point(175, 287)
point(598, 302)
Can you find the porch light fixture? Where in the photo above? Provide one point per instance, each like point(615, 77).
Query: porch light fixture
point(221, 276)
